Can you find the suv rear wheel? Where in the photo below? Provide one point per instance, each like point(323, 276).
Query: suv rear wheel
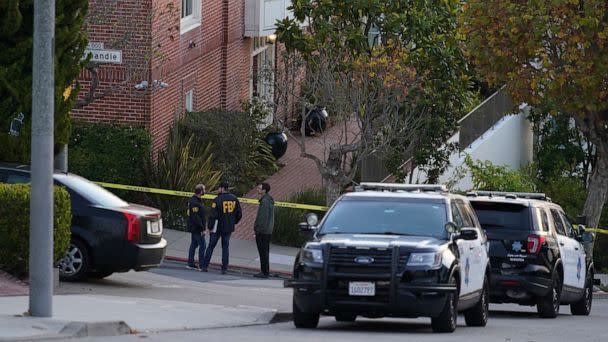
point(75, 264)
point(583, 306)
point(477, 316)
point(446, 321)
point(548, 306)
point(303, 319)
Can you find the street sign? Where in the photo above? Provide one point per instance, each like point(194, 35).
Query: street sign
point(104, 56)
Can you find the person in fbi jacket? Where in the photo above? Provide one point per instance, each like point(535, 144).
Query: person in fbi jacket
point(225, 214)
point(196, 227)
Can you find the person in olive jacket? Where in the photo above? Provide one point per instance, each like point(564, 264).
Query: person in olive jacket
point(264, 223)
point(196, 227)
point(225, 214)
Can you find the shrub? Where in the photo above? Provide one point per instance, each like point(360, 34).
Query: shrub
point(286, 220)
point(239, 149)
point(487, 176)
point(181, 166)
point(110, 153)
point(15, 226)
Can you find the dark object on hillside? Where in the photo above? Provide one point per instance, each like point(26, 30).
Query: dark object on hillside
point(278, 142)
point(316, 121)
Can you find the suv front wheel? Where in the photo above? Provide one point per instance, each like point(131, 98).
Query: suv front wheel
point(446, 321)
point(548, 306)
point(583, 306)
point(477, 316)
point(303, 319)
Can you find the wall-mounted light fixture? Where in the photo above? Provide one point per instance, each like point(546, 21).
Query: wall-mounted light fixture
point(271, 39)
point(16, 124)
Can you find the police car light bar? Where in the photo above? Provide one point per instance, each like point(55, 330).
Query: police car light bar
point(401, 187)
point(506, 194)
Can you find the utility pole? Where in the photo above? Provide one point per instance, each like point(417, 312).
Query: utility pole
point(41, 203)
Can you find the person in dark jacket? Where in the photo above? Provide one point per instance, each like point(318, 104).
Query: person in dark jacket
point(225, 214)
point(196, 227)
point(264, 223)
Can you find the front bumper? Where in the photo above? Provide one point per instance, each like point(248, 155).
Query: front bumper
point(397, 300)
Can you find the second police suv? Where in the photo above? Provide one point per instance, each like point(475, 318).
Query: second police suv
point(394, 250)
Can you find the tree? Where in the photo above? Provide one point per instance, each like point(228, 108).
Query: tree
point(370, 63)
point(16, 51)
point(550, 55)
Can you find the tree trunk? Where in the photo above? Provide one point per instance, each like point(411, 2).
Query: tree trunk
point(332, 191)
point(598, 187)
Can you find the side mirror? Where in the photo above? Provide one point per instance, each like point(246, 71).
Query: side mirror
point(581, 220)
point(310, 225)
point(467, 234)
point(451, 227)
point(587, 237)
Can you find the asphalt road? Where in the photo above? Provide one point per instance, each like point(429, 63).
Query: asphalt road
point(173, 282)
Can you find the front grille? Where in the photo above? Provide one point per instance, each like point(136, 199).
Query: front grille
point(342, 260)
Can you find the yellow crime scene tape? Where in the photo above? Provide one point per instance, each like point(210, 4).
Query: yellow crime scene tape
point(597, 230)
point(208, 196)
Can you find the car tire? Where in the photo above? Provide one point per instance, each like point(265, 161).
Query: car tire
point(345, 317)
point(583, 306)
point(548, 306)
point(99, 275)
point(76, 262)
point(477, 316)
point(304, 320)
point(446, 321)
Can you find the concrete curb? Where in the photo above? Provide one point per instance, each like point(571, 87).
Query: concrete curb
point(243, 269)
point(282, 317)
point(77, 330)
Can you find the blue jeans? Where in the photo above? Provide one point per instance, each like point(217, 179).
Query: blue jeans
point(197, 240)
point(213, 239)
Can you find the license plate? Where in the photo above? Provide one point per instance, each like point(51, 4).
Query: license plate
point(154, 227)
point(361, 288)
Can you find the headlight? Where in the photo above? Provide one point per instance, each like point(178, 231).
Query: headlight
point(312, 255)
point(432, 260)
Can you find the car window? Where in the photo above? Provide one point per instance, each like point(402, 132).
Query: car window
point(567, 224)
point(543, 219)
point(386, 217)
point(457, 216)
point(90, 191)
point(496, 215)
point(17, 179)
point(467, 220)
point(559, 225)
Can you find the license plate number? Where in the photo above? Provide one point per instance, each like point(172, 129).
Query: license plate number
point(360, 288)
point(154, 227)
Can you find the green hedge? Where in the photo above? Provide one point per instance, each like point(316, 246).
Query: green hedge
point(14, 226)
point(286, 220)
point(109, 153)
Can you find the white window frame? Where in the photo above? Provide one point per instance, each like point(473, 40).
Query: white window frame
point(260, 47)
point(189, 101)
point(192, 21)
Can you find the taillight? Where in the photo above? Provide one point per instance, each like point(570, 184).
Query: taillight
point(535, 243)
point(132, 227)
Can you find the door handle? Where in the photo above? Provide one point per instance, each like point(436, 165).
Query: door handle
point(471, 248)
point(576, 248)
point(561, 243)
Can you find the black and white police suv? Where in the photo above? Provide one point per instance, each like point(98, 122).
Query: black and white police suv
point(537, 257)
point(393, 250)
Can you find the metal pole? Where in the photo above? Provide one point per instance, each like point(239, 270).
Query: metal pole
point(41, 203)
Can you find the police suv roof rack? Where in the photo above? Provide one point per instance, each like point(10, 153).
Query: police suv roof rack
point(511, 195)
point(401, 187)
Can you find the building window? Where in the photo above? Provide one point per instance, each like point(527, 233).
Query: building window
point(191, 15)
point(262, 69)
point(188, 105)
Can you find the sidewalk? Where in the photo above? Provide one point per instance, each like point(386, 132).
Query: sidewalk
point(243, 253)
point(97, 315)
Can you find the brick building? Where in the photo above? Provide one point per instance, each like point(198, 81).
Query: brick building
point(155, 59)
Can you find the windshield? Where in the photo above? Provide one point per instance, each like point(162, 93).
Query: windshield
point(502, 216)
point(91, 191)
point(386, 217)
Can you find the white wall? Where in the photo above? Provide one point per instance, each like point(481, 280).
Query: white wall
point(509, 142)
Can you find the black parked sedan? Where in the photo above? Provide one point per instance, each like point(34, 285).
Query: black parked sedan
point(108, 234)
